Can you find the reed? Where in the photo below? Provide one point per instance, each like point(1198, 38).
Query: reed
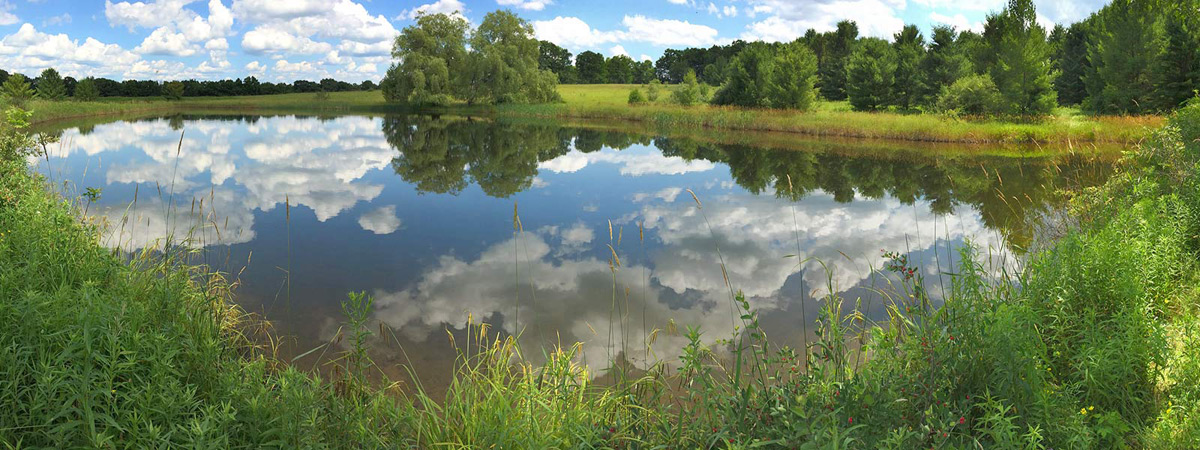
point(1089, 345)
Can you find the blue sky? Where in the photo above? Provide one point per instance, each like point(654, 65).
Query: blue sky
point(284, 40)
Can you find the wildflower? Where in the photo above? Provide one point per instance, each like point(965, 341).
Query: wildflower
point(851, 420)
point(612, 429)
point(730, 440)
point(1083, 411)
point(714, 429)
point(962, 420)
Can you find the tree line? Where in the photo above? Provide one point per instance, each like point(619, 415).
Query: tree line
point(1130, 57)
point(50, 85)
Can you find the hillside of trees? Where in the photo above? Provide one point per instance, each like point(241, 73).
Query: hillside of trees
point(51, 85)
point(1131, 57)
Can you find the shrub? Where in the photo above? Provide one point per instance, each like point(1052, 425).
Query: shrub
point(652, 90)
point(635, 97)
point(974, 95)
point(688, 93)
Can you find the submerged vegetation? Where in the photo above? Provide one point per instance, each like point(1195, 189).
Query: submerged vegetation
point(1092, 344)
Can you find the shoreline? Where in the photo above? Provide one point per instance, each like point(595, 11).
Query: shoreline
point(829, 120)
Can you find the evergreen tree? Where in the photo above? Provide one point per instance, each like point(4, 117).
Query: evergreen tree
point(792, 77)
point(944, 63)
point(1124, 54)
point(16, 89)
point(833, 66)
point(86, 90)
point(431, 58)
point(1072, 64)
point(871, 74)
point(50, 86)
point(590, 66)
point(1178, 67)
point(909, 47)
point(1022, 69)
point(174, 90)
point(749, 75)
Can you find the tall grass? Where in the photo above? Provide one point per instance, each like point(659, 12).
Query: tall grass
point(1090, 345)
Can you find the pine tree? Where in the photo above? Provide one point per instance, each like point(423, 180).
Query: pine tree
point(944, 63)
point(837, 52)
point(86, 90)
point(1022, 69)
point(1073, 65)
point(50, 85)
point(1124, 55)
point(1178, 67)
point(16, 89)
point(910, 51)
point(870, 74)
point(748, 77)
point(793, 77)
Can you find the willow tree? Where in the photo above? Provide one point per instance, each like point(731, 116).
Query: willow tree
point(503, 64)
point(431, 55)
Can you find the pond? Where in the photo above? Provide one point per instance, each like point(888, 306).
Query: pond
point(559, 234)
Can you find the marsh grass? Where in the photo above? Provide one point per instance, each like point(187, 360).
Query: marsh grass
point(1091, 344)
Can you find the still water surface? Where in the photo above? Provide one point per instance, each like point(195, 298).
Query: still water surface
point(419, 212)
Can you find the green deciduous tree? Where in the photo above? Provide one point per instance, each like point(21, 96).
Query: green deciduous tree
point(910, 51)
point(590, 66)
point(503, 63)
point(643, 72)
point(762, 76)
point(870, 74)
point(1022, 67)
point(558, 60)
point(1127, 43)
point(431, 57)
point(619, 69)
point(944, 63)
point(86, 90)
point(16, 89)
point(50, 85)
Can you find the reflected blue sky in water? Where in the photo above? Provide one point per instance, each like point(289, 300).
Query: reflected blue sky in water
point(365, 215)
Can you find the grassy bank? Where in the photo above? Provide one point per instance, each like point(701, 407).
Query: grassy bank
point(1066, 127)
point(1066, 130)
point(1095, 344)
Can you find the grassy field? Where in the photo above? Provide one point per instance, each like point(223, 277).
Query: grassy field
point(1095, 344)
point(1065, 131)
